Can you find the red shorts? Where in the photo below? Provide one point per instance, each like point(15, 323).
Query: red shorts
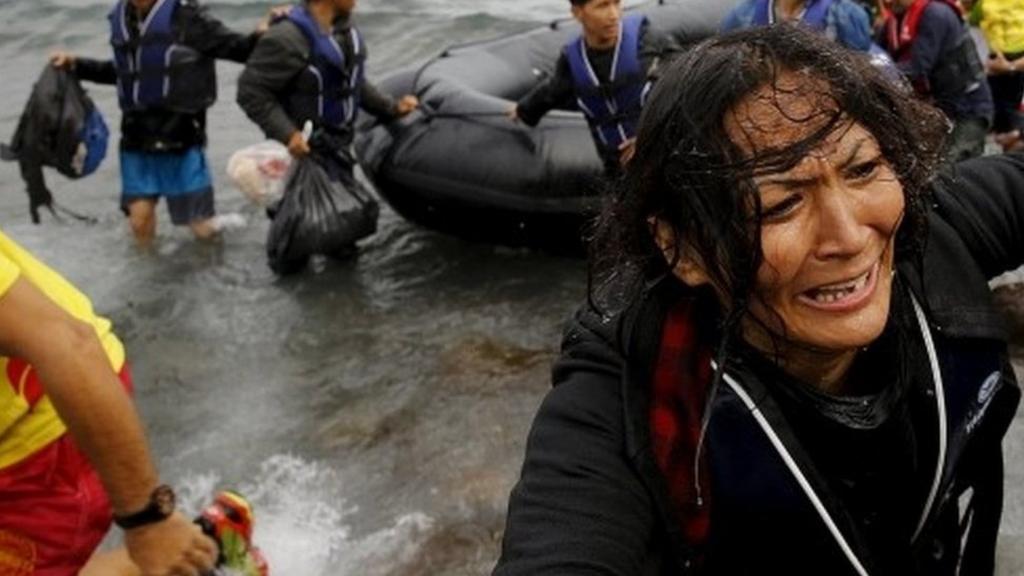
point(53, 510)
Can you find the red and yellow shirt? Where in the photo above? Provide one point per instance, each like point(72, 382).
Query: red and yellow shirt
point(28, 420)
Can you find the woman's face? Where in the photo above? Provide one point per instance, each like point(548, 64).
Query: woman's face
point(827, 225)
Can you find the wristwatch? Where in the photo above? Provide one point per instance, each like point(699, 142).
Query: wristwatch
point(160, 507)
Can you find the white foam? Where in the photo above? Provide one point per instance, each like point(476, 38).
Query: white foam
point(301, 528)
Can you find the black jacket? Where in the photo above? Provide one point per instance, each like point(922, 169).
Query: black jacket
point(591, 498)
point(281, 56)
point(156, 129)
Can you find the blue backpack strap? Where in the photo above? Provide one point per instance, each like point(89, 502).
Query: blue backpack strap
point(328, 64)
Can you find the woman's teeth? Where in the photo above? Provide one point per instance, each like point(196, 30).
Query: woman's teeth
point(829, 294)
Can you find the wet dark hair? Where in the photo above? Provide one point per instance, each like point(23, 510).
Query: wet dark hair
point(689, 174)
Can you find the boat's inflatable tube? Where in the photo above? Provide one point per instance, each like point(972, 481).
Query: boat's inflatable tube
point(462, 167)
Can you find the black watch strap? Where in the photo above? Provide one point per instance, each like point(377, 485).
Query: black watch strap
point(160, 507)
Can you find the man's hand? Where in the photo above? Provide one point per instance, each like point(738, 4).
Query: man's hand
point(63, 60)
point(407, 104)
point(272, 15)
point(297, 145)
point(626, 151)
point(174, 546)
point(513, 112)
point(998, 64)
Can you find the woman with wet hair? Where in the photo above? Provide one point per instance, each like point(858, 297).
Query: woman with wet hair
point(789, 362)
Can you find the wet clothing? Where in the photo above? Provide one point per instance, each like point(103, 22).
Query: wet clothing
point(60, 127)
point(183, 178)
point(559, 91)
point(160, 128)
point(609, 475)
point(933, 48)
point(278, 83)
point(54, 511)
point(843, 21)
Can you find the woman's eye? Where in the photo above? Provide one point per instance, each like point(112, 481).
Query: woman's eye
point(863, 171)
point(780, 209)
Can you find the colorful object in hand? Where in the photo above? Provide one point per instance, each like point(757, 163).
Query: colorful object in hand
point(229, 521)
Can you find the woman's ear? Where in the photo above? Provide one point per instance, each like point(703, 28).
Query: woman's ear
point(686, 265)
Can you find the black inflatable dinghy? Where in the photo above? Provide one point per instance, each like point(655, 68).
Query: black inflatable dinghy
point(461, 167)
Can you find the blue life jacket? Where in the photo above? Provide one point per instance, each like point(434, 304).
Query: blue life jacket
point(153, 70)
point(335, 100)
point(790, 518)
point(612, 108)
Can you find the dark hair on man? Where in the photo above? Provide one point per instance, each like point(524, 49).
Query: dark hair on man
point(689, 174)
point(578, 2)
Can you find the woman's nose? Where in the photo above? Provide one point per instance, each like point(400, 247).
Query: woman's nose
point(841, 232)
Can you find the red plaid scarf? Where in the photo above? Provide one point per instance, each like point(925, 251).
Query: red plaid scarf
point(682, 377)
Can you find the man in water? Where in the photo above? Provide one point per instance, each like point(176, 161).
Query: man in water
point(310, 68)
point(163, 67)
point(606, 72)
point(73, 455)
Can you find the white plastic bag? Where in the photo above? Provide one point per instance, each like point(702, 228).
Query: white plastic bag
point(260, 171)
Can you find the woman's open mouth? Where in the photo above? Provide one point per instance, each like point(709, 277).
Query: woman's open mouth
point(843, 296)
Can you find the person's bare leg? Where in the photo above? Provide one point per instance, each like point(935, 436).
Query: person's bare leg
point(112, 563)
point(142, 218)
point(204, 229)
point(210, 228)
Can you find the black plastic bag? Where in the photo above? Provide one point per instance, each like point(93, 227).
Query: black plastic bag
point(318, 215)
point(61, 128)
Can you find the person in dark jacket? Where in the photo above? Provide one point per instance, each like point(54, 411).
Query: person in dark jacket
point(280, 91)
point(606, 73)
point(933, 47)
point(310, 69)
point(791, 364)
point(163, 68)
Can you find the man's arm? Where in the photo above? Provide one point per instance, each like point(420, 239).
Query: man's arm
point(377, 103)
point(280, 55)
point(98, 71)
point(89, 398)
point(209, 36)
point(555, 92)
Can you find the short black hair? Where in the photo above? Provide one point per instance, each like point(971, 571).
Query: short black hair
point(578, 2)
